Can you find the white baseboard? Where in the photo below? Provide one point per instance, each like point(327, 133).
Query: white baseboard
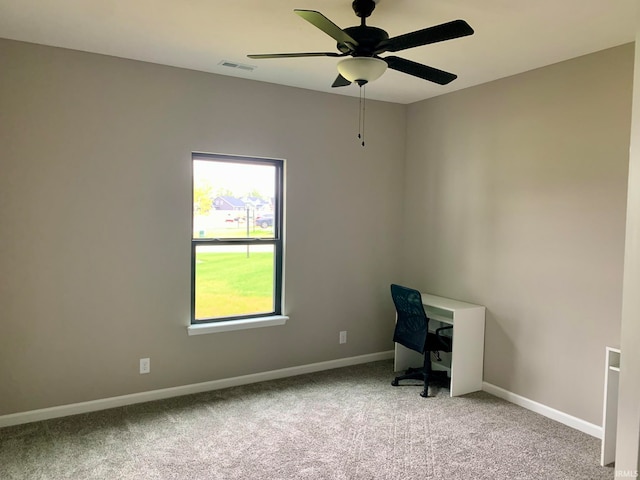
point(112, 402)
point(552, 413)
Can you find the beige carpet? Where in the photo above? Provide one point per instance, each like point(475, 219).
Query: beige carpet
point(342, 424)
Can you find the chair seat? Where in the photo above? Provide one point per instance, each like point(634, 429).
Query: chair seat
point(440, 343)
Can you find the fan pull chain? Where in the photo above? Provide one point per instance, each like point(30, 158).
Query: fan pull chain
point(361, 113)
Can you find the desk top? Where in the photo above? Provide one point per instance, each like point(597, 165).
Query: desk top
point(446, 303)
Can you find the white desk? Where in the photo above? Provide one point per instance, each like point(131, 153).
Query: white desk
point(464, 364)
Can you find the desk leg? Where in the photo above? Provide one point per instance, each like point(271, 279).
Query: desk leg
point(468, 352)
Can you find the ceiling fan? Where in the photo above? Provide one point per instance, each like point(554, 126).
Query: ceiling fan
point(364, 44)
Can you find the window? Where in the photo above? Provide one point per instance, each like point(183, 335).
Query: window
point(236, 247)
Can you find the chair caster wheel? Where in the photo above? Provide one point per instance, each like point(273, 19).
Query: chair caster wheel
point(424, 394)
point(394, 383)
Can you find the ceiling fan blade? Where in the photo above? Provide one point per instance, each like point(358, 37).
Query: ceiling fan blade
point(419, 70)
point(327, 26)
point(295, 55)
point(438, 33)
point(340, 81)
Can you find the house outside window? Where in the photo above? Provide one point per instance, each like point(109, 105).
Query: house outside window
point(237, 244)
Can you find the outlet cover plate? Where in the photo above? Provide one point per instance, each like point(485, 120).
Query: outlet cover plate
point(145, 365)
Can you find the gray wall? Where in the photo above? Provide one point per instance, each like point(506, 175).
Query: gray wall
point(95, 223)
point(511, 194)
point(515, 199)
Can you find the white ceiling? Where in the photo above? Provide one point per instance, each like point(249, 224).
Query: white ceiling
point(511, 36)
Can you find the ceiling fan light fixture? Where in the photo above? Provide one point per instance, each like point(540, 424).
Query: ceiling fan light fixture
point(362, 70)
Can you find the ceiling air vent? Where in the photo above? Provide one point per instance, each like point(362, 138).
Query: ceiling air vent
point(239, 66)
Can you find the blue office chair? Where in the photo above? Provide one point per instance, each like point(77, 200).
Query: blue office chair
point(412, 331)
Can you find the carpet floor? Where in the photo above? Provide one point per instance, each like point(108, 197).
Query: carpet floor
point(342, 424)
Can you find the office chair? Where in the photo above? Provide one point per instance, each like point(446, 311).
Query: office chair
point(412, 331)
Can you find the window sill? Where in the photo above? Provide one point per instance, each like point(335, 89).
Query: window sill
point(231, 325)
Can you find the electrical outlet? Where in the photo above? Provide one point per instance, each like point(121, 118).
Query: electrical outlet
point(145, 365)
point(343, 336)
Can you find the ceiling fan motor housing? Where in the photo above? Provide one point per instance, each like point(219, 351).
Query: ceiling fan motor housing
point(368, 38)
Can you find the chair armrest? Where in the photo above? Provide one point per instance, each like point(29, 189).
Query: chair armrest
point(438, 330)
point(444, 340)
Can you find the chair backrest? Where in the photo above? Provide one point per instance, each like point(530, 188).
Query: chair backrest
point(412, 322)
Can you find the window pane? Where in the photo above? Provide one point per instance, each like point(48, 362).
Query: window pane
point(233, 200)
point(233, 280)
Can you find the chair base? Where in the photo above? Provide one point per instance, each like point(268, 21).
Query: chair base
point(435, 376)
